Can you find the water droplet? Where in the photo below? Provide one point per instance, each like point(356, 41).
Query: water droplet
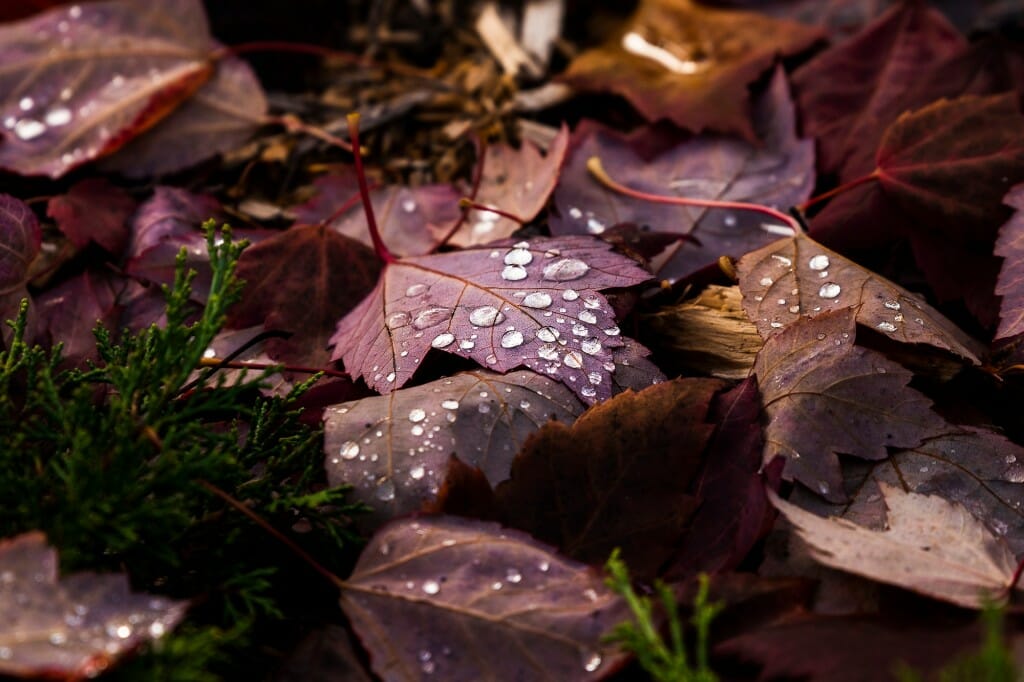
point(483, 408)
point(416, 290)
point(819, 262)
point(821, 337)
point(442, 340)
point(547, 334)
point(58, 117)
point(537, 299)
point(396, 320)
point(518, 257)
point(588, 392)
point(524, 404)
point(157, 629)
point(591, 346)
point(570, 295)
point(390, 377)
point(591, 661)
point(1010, 459)
point(823, 487)
point(497, 585)
point(782, 260)
point(767, 281)
point(1014, 474)
point(385, 490)
point(829, 290)
point(417, 415)
point(486, 316)
point(565, 269)
point(794, 309)
point(466, 344)
point(58, 638)
point(349, 449)
point(74, 11)
point(513, 576)
point(887, 326)
point(575, 213)
point(26, 103)
point(594, 378)
point(29, 129)
point(408, 205)
point(450, 404)
point(430, 316)
point(612, 331)
point(548, 351)
point(431, 587)
point(513, 273)
point(892, 305)
point(573, 359)
point(729, 220)
point(587, 316)
point(580, 329)
point(775, 324)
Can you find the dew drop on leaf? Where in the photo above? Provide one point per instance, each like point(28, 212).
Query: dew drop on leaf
point(349, 449)
point(590, 346)
point(466, 344)
point(892, 305)
point(547, 334)
point(819, 262)
point(588, 317)
point(588, 391)
point(513, 273)
point(518, 256)
point(570, 295)
point(511, 339)
point(430, 316)
point(887, 326)
point(591, 661)
point(537, 299)
point(431, 587)
point(417, 415)
point(416, 290)
point(829, 290)
point(450, 404)
point(565, 269)
point(548, 351)
point(486, 316)
point(385, 490)
point(442, 340)
point(417, 472)
point(396, 320)
point(612, 331)
point(573, 359)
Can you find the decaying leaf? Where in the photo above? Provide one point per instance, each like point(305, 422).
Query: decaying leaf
point(690, 63)
point(931, 546)
point(74, 627)
point(534, 303)
point(395, 448)
point(618, 477)
point(778, 170)
point(478, 602)
point(824, 396)
point(1010, 246)
point(797, 277)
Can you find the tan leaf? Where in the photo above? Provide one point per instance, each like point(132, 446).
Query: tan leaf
point(932, 546)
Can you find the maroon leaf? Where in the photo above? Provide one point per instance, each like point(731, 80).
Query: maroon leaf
point(94, 210)
point(395, 449)
point(465, 491)
point(778, 172)
point(412, 220)
point(797, 277)
point(733, 511)
point(689, 63)
point(301, 281)
point(533, 304)
point(20, 238)
point(478, 602)
point(1010, 247)
point(81, 81)
point(70, 311)
point(848, 94)
point(72, 628)
point(219, 117)
point(824, 396)
point(618, 477)
point(515, 180)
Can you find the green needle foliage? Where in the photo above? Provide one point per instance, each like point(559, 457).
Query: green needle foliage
point(116, 462)
point(665, 662)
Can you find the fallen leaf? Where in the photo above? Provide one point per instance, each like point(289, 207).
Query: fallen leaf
point(81, 81)
point(1010, 285)
point(618, 477)
point(301, 281)
point(518, 181)
point(823, 397)
point(93, 210)
point(478, 602)
point(796, 278)
point(533, 303)
point(326, 653)
point(395, 449)
point(777, 171)
point(849, 93)
point(931, 546)
point(75, 627)
point(20, 239)
point(690, 63)
point(69, 312)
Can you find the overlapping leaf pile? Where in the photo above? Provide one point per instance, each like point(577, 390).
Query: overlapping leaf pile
point(493, 400)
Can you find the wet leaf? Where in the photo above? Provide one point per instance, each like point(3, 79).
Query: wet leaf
point(533, 303)
point(776, 171)
point(689, 63)
point(618, 477)
point(20, 238)
point(925, 155)
point(518, 181)
point(81, 81)
point(478, 602)
point(797, 277)
point(93, 210)
point(412, 220)
point(395, 449)
point(70, 311)
point(74, 627)
point(824, 396)
point(930, 545)
point(849, 93)
point(1010, 247)
point(301, 281)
